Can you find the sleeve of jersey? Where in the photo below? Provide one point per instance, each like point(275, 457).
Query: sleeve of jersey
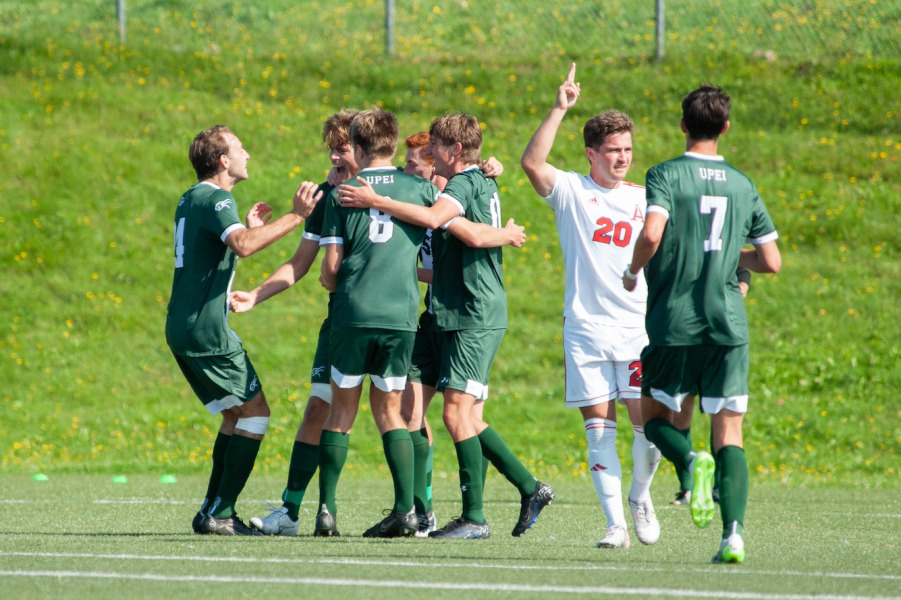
point(657, 192)
point(332, 225)
point(456, 193)
point(312, 228)
point(222, 215)
point(763, 229)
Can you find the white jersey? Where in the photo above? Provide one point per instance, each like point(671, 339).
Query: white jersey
point(598, 228)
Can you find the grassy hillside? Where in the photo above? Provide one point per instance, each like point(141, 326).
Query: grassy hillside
point(94, 137)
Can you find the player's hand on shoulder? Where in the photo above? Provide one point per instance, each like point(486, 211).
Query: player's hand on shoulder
point(305, 198)
point(517, 234)
point(258, 215)
point(492, 167)
point(362, 196)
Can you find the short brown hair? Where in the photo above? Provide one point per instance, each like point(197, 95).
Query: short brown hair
point(375, 131)
point(463, 128)
point(601, 126)
point(206, 149)
point(420, 140)
point(336, 129)
point(706, 112)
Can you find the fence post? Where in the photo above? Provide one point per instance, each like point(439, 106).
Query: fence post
point(389, 27)
point(660, 29)
point(120, 14)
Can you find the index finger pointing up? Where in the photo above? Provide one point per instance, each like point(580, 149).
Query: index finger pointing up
point(571, 77)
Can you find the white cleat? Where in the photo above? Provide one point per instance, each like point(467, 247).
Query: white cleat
point(647, 527)
point(616, 537)
point(277, 522)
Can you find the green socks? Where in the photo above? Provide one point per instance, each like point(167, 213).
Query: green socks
point(421, 451)
point(219, 448)
point(304, 462)
point(496, 451)
point(469, 456)
point(399, 454)
point(733, 487)
point(670, 441)
point(239, 458)
point(332, 455)
point(684, 474)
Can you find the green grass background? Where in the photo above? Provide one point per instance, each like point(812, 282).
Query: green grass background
point(94, 137)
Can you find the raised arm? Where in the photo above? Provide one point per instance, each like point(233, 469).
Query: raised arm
point(260, 233)
point(534, 159)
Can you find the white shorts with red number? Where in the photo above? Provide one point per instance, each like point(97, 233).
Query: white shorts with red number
point(602, 362)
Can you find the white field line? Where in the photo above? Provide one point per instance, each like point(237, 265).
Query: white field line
point(731, 572)
point(399, 584)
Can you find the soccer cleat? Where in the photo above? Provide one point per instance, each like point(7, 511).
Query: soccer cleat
point(227, 526)
point(683, 498)
point(197, 522)
point(462, 529)
point(647, 527)
point(326, 525)
point(732, 550)
point(426, 524)
point(395, 524)
point(532, 506)
point(616, 537)
point(715, 495)
point(702, 507)
point(277, 522)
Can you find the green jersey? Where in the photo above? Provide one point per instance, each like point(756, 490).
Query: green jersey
point(468, 283)
point(712, 211)
point(312, 227)
point(196, 323)
point(376, 285)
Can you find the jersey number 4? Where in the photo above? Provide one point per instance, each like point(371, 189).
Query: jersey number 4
point(180, 243)
point(619, 234)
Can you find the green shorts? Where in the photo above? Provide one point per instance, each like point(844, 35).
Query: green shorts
point(383, 354)
point(221, 381)
point(426, 361)
point(320, 375)
point(466, 357)
point(718, 374)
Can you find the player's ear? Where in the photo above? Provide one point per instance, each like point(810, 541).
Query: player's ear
point(726, 127)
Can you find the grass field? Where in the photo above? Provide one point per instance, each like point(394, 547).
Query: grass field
point(82, 536)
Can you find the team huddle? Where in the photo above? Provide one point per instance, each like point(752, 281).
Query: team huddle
point(653, 315)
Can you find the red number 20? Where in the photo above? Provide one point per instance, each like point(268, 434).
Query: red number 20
point(618, 233)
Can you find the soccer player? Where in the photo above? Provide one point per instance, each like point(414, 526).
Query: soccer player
point(370, 265)
point(304, 462)
point(682, 421)
point(209, 237)
point(701, 213)
point(598, 219)
point(470, 306)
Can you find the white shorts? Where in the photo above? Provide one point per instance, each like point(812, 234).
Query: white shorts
point(602, 362)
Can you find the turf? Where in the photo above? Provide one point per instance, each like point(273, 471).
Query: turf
point(84, 536)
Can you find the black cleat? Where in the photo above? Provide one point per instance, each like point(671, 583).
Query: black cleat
point(227, 526)
point(396, 524)
point(532, 506)
point(197, 522)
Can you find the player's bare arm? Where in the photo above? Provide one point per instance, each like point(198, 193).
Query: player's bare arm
point(284, 277)
point(482, 235)
point(245, 242)
point(364, 196)
point(534, 158)
point(762, 258)
point(331, 263)
point(645, 248)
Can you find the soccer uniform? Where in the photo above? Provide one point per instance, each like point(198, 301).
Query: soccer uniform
point(603, 331)
point(469, 299)
point(377, 293)
point(209, 353)
point(320, 372)
point(696, 318)
point(425, 361)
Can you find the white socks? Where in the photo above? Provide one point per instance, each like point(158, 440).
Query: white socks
point(645, 458)
point(606, 471)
